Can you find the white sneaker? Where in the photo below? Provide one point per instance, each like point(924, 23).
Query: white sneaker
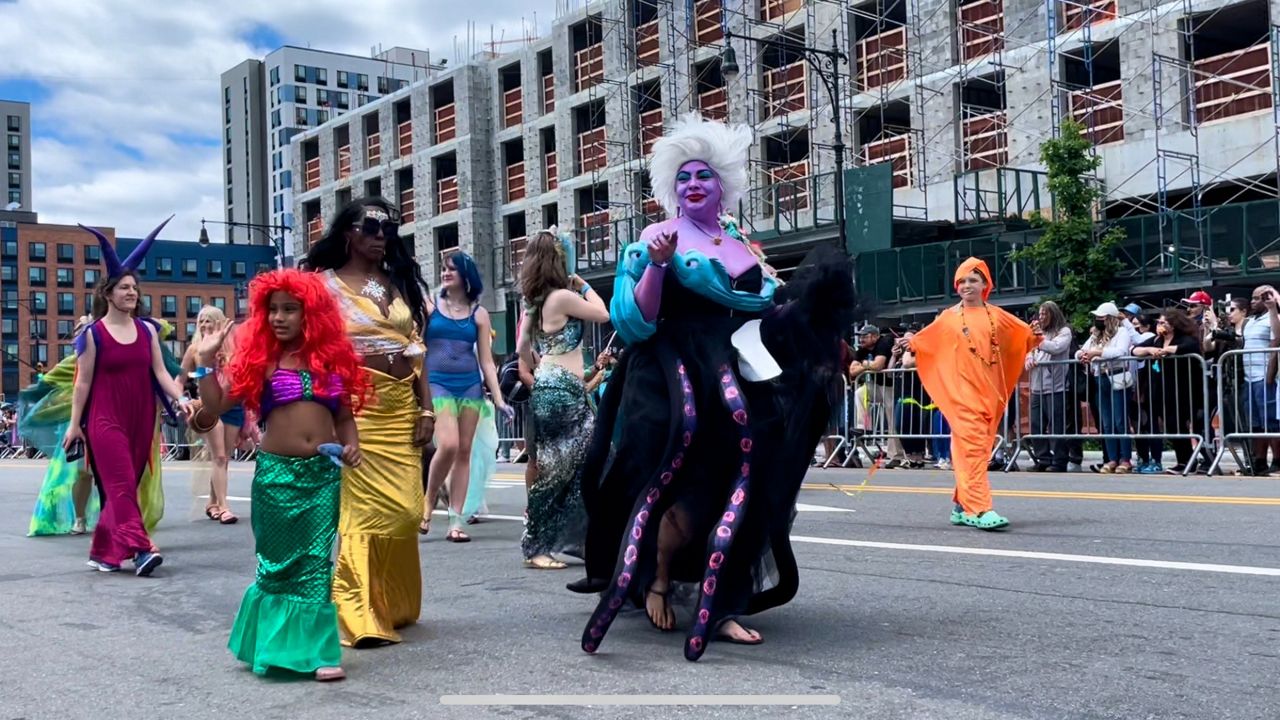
point(944, 464)
point(78, 527)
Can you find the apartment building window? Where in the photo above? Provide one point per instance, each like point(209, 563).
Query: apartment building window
point(300, 95)
point(66, 303)
point(191, 330)
point(66, 252)
point(65, 350)
point(322, 117)
point(275, 118)
point(10, 249)
point(92, 254)
point(146, 304)
point(262, 267)
point(9, 326)
point(382, 85)
point(322, 98)
point(66, 277)
point(15, 141)
point(10, 299)
point(239, 269)
point(15, 123)
point(362, 83)
point(164, 266)
point(300, 116)
point(15, 160)
point(15, 180)
point(220, 303)
point(169, 305)
point(300, 73)
point(39, 329)
point(286, 179)
point(40, 301)
point(193, 305)
point(39, 353)
point(15, 196)
point(65, 328)
point(37, 252)
point(214, 268)
point(226, 96)
point(189, 267)
point(278, 203)
point(91, 277)
point(343, 79)
point(36, 276)
point(8, 273)
point(275, 76)
point(322, 76)
point(343, 100)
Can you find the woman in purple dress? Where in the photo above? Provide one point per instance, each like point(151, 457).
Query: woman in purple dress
point(119, 371)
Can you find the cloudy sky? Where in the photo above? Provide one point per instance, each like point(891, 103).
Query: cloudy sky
point(125, 96)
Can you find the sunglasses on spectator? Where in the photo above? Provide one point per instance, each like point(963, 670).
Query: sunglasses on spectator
point(371, 226)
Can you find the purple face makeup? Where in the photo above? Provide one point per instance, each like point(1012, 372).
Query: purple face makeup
point(698, 190)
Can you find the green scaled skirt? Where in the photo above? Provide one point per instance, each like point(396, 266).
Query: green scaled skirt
point(287, 619)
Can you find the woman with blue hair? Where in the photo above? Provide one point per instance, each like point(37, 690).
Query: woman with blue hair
point(460, 365)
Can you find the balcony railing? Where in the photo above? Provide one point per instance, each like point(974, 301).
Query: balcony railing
point(986, 141)
point(315, 230)
point(981, 28)
point(785, 89)
point(548, 94)
point(373, 150)
point(707, 28)
point(588, 67)
point(650, 130)
point(895, 149)
point(512, 108)
point(311, 181)
point(882, 59)
point(405, 133)
point(592, 153)
point(406, 206)
point(515, 182)
point(1101, 111)
point(652, 210)
point(778, 9)
point(647, 47)
point(447, 195)
point(593, 234)
point(1233, 83)
point(446, 123)
point(344, 162)
point(515, 251)
point(1078, 13)
point(551, 170)
point(714, 104)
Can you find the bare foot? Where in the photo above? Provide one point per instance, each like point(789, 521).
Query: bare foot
point(734, 632)
point(657, 602)
point(330, 674)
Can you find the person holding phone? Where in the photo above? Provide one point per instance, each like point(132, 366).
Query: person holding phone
point(295, 367)
point(557, 306)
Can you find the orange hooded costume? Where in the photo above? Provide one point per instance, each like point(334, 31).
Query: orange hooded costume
point(970, 376)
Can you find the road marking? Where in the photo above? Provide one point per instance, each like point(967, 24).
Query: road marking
point(1054, 494)
point(632, 700)
point(802, 507)
point(1031, 555)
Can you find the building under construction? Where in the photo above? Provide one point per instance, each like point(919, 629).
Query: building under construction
point(943, 108)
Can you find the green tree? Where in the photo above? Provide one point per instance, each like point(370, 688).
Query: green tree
point(1072, 244)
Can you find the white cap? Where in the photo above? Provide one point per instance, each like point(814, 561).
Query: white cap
point(1107, 309)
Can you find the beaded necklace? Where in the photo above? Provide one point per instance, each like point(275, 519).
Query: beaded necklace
point(991, 323)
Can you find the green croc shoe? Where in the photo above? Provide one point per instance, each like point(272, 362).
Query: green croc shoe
point(957, 515)
point(988, 520)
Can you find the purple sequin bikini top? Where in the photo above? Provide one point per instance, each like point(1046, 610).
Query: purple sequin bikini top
point(288, 386)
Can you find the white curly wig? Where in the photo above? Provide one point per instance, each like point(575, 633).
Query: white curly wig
point(723, 147)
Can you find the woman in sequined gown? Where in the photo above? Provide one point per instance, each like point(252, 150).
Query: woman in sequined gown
point(557, 304)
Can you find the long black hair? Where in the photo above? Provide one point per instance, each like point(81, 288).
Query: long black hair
point(331, 253)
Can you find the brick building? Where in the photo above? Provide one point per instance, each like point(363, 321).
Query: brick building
point(47, 276)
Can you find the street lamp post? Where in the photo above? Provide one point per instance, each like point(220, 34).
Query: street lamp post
point(277, 241)
point(825, 64)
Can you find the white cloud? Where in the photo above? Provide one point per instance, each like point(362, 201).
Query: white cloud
point(129, 129)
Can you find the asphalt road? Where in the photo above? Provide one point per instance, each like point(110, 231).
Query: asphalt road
point(1135, 597)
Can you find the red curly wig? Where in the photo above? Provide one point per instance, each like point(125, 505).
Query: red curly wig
point(325, 345)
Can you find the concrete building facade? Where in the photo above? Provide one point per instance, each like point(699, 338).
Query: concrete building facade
point(266, 102)
point(17, 126)
point(944, 108)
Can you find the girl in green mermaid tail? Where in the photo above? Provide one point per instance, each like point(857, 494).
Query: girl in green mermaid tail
point(296, 369)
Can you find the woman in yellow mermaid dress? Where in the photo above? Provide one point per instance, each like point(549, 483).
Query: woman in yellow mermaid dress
point(377, 585)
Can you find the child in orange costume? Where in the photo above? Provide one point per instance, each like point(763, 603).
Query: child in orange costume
point(969, 361)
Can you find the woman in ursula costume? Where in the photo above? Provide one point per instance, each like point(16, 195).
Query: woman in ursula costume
point(380, 291)
point(460, 361)
point(724, 392)
point(294, 366)
point(557, 306)
point(67, 504)
point(120, 369)
point(969, 360)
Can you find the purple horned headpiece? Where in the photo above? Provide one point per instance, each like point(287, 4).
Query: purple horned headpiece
point(115, 268)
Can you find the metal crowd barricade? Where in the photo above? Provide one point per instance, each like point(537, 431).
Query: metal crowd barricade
point(837, 428)
point(511, 432)
point(1150, 400)
point(1246, 403)
point(886, 410)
